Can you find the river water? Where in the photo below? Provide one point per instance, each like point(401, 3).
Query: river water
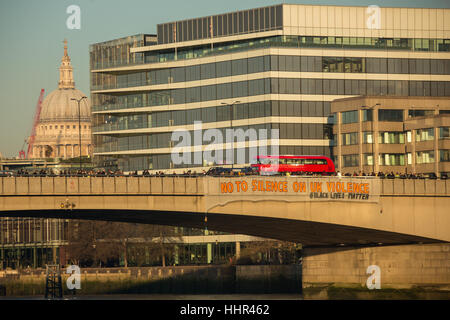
point(168, 297)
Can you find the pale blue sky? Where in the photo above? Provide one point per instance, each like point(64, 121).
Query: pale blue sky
point(31, 34)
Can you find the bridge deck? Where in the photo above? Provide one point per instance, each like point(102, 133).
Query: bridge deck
point(310, 210)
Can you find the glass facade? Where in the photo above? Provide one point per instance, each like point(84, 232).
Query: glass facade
point(234, 23)
point(31, 242)
point(102, 81)
point(376, 65)
point(117, 52)
point(113, 101)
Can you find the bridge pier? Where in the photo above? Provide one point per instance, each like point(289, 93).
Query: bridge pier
point(418, 266)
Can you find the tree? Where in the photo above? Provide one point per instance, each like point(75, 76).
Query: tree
point(97, 243)
point(270, 252)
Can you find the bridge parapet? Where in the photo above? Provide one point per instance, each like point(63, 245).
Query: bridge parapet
point(417, 187)
point(100, 185)
point(187, 185)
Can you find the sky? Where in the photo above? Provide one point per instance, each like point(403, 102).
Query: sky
point(32, 34)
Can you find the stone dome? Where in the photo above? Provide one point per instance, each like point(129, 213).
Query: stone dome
point(58, 106)
point(62, 131)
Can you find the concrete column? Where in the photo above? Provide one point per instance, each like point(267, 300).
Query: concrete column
point(238, 250)
point(209, 253)
point(339, 141)
point(360, 141)
point(413, 150)
point(436, 151)
point(55, 260)
point(176, 255)
point(401, 266)
point(208, 250)
point(34, 257)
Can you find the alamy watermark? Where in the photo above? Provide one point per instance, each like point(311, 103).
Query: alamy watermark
point(190, 148)
point(74, 281)
point(74, 20)
point(374, 17)
point(374, 280)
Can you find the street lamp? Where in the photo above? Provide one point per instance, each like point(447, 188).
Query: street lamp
point(79, 123)
point(373, 134)
point(231, 126)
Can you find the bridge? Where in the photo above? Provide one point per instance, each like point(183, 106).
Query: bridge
point(314, 211)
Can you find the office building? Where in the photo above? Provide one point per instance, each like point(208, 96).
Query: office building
point(406, 135)
point(272, 68)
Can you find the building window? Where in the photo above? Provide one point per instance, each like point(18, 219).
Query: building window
point(368, 159)
point(349, 138)
point(390, 115)
point(408, 136)
point(444, 133)
point(391, 159)
point(425, 134)
point(333, 118)
point(424, 157)
point(349, 117)
point(367, 137)
point(391, 137)
point(419, 113)
point(367, 115)
point(351, 160)
point(444, 155)
point(409, 157)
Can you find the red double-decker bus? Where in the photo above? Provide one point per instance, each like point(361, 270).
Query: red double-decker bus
point(294, 164)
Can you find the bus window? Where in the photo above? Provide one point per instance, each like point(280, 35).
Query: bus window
point(291, 161)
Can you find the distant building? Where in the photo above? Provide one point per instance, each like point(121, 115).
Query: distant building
point(31, 241)
point(58, 132)
point(392, 134)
